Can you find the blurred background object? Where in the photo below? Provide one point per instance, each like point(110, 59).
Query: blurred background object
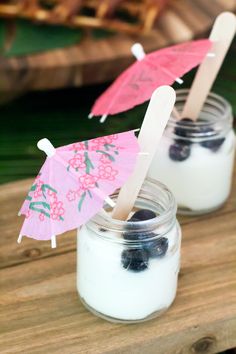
point(130, 16)
point(52, 74)
point(40, 57)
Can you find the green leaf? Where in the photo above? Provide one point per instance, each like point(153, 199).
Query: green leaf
point(33, 188)
point(106, 153)
point(32, 38)
point(44, 204)
point(88, 162)
point(90, 194)
point(81, 201)
point(46, 186)
point(40, 210)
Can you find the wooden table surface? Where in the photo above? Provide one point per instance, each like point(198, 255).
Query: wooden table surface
point(41, 311)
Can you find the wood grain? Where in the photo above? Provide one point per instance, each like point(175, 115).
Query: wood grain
point(11, 198)
point(41, 312)
point(96, 61)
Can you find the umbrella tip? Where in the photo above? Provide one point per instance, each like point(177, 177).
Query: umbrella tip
point(46, 146)
point(53, 241)
point(103, 118)
point(19, 238)
point(179, 80)
point(138, 51)
point(90, 116)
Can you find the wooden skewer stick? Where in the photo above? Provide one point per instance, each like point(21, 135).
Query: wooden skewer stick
point(155, 120)
point(176, 114)
point(221, 35)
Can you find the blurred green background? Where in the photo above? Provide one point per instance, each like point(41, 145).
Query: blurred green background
point(61, 116)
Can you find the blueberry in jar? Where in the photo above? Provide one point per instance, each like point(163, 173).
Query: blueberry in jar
point(156, 248)
point(143, 214)
point(179, 151)
point(135, 259)
point(185, 131)
point(132, 235)
point(140, 215)
point(213, 143)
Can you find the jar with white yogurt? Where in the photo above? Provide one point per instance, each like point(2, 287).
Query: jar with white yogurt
point(195, 159)
point(127, 271)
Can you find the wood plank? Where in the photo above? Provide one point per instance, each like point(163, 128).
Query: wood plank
point(96, 61)
point(11, 197)
point(41, 312)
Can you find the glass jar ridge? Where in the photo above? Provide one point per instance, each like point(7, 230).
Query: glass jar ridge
point(165, 208)
point(215, 119)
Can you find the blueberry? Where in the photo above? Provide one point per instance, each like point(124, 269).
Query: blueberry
point(135, 236)
point(140, 215)
point(156, 248)
point(212, 144)
point(179, 151)
point(185, 131)
point(135, 259)
point(139, 236)
point(129, 235)
point(143, 214)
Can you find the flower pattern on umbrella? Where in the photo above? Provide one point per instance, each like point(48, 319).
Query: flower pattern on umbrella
point(73, 183)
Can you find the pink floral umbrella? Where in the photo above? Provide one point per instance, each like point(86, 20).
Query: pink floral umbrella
point(74, 181)
point(136, 84)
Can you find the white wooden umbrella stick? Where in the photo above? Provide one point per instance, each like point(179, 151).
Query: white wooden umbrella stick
point(155, 120)
point(221, 35)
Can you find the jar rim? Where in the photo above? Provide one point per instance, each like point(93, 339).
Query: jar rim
point(211, 95)
point(165, 218)
point(215, 119)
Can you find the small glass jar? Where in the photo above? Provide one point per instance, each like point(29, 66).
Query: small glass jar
point(195, 159)
point(127, 271)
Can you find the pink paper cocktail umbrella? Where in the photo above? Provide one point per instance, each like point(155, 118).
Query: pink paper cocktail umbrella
point(74, 181)
point(137, 83)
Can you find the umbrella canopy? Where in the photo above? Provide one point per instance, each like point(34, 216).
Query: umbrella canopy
point(74, 181)
point(136, 84)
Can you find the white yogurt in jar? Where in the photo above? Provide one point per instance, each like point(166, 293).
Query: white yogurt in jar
point(120, 294)
point(202, 181)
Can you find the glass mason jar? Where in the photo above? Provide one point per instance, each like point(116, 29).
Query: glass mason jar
point(127, 271)
point(195, 159)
